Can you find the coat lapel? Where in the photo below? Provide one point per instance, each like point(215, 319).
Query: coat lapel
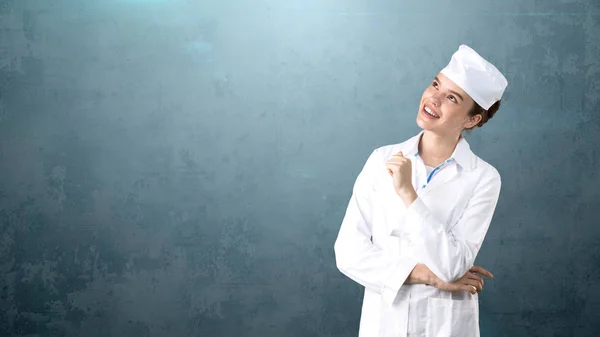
point(464, 159)
point(445, 175)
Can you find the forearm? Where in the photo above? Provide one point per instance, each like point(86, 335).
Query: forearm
point(367, 265)
point(408, 195)
point(449, 250)
point(421, 274)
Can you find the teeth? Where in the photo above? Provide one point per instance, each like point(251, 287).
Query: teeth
point(430, 112)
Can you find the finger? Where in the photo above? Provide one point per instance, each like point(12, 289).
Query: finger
point(476, 278)
point(479, 270)
point(482, 271)
point(392, 166)
point(476, 283)
point(391, 169)
point(470, 288)
point(399, 160)
point(466, 288)
point(455, 287)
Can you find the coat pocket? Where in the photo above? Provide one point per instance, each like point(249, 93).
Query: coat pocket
point(452, 318)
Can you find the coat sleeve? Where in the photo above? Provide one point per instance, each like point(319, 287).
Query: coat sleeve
point(450, 251)
point(356, 256)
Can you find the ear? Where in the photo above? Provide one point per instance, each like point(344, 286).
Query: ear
point(472, 121)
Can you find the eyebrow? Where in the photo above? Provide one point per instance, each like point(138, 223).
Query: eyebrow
point(452, 91)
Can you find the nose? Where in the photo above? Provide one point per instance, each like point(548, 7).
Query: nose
point(436, 99)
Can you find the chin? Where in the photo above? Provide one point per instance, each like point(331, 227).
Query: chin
point(422, 124)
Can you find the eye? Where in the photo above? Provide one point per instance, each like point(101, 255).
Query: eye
point(434, 84)
point(453, 99)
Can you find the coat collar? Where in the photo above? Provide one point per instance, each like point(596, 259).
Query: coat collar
point(462, 153)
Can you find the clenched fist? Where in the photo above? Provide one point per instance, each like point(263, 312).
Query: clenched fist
point(400, 168)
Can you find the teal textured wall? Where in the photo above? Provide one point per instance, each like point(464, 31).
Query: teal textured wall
point(181, 168)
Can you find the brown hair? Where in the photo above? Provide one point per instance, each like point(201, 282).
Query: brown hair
point(486, 115)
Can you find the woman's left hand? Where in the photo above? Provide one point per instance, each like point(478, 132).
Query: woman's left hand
point(400, 168)
point(470, 282)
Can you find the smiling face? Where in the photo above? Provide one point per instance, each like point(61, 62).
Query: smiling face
point(445, 108)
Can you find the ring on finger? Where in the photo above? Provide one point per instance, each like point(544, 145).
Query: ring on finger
point(474, 288)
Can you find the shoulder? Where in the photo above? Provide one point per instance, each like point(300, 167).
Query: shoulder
point(379, 155)
point(487, 171)
point(385, 152)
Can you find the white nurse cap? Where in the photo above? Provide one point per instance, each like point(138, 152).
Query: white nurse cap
point(476, 76)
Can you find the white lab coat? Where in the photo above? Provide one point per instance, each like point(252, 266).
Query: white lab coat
point(381, 240)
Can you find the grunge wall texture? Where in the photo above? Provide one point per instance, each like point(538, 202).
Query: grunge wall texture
point(181, 168)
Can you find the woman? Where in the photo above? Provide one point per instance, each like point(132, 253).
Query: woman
point(420, 210)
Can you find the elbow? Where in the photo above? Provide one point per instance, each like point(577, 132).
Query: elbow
point(460, 270)
point(337, 251)
point(452, 275)
point(341, 256)
point(449, 267)
point(343, 268)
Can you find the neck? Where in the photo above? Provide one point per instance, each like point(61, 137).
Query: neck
point(435, 148)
